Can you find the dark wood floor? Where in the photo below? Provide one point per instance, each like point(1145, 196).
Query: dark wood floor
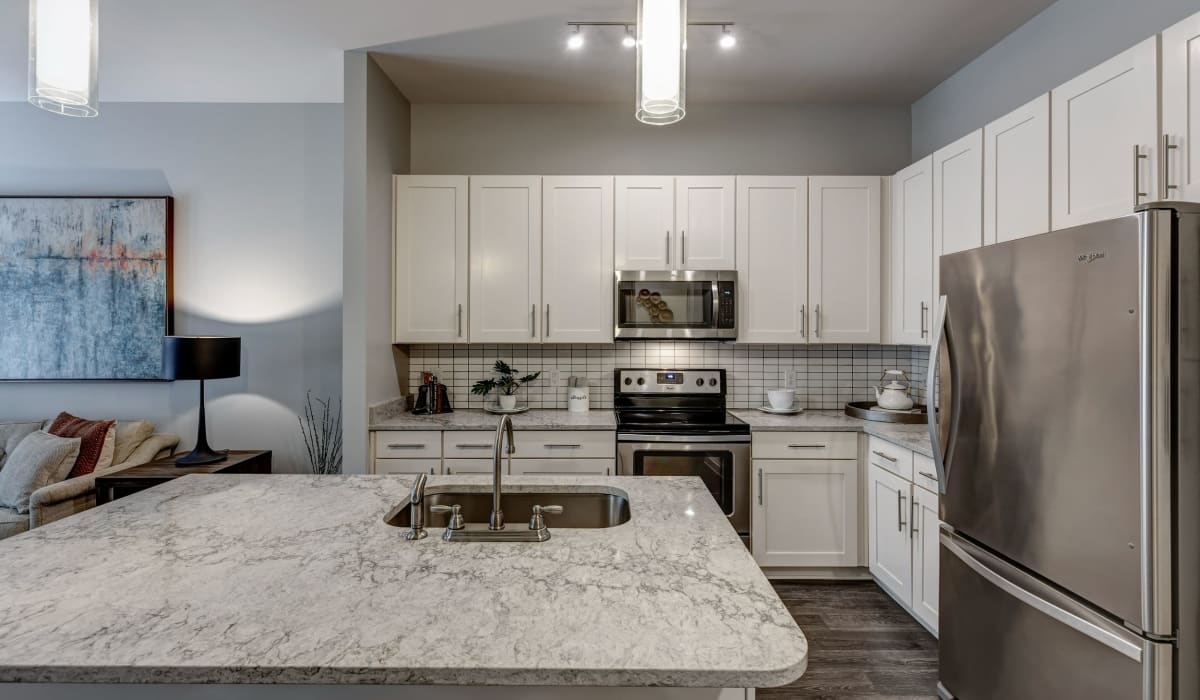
point(861, 645)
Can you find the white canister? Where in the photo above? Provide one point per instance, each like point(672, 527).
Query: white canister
point(579, 399)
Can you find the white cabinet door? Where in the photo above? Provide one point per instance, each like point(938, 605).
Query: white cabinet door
point(408, 466)
point(470, 466)
point(577, 259)
point(1016, 173)
point(567, 467)
point(924, 529)
point(645, 223)
point(843, 259)
point(429, 269)
point(912, 254)
point(957, 198)
point(805, 512)
point(1098, 121)
point(889, 545)
point(772, 259)
point(705, 218)
point(506, 250)
point(1181, 110)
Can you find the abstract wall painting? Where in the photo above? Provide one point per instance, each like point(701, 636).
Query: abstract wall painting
point(85, 287)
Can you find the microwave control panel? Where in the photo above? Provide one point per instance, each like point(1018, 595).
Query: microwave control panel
point(726, 305)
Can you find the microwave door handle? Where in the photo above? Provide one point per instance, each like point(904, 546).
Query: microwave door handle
point(716, 304)
point(947, 414)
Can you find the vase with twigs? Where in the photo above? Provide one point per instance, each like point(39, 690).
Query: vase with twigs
point(321, 427)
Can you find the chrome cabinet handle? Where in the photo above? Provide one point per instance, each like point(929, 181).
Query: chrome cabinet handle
point(460, 320)
point(561, 447)
point(912, 516)
point(1167, 147)
point(924, 312)
point(533, 321)
point(803, 320)
point(929, 476)
point(807, 447)
point(668, 248)
point(888, 457)
point(608, 471)
point(473, 447)
point(1138, 157)
point(817, 328)
point(683, 248)
point(546, 328)
point(405, 446)
point(760, 487)
point(900, 511)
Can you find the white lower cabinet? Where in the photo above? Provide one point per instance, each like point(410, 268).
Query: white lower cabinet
point(564, 467)
point(408, 466)
point(805, 512)
point(470, 466)
point(902, 538)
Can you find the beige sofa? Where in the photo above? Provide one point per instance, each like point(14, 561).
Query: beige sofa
point(57, 501)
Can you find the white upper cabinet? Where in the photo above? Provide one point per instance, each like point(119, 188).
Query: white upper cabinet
point(958, 197)
point(645, 223)
point(506, 269)
point(430, 264)
point(843, 259)
point(1104, 138)
point(911, 248)
point(704, 212)
point(1181, 110)
point(577, 259)
point(1016, 174)
point(772, 259)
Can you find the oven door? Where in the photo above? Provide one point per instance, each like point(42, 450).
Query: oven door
point(675, 305)
point(723, 466)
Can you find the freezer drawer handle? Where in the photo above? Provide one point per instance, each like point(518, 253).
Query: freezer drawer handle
point(888, 457)
point(1043, 606)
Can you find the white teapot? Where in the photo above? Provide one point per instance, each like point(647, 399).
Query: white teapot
point(893, 394)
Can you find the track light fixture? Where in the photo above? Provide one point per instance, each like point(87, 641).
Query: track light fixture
point(575, 41)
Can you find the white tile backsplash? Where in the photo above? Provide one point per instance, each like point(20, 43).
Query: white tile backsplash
point(824, 376)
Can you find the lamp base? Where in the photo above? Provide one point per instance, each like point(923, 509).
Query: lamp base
point(201, 456)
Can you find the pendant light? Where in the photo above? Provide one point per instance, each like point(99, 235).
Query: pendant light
point(661, 61)
point(63, 50)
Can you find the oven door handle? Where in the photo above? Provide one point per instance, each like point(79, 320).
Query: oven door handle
point(705, 438)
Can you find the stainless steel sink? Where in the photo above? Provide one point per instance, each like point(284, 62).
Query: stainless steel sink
point(595, 509)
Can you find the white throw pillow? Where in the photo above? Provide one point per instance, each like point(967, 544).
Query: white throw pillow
point(11, 435)
point(38, 460)
point(130, 434)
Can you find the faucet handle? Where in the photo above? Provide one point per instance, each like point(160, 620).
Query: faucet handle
point(537, 522)
point(455, 511)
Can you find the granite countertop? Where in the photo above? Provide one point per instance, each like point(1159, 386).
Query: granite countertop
point(478, 419)
point(296, 579)
point(913, 437)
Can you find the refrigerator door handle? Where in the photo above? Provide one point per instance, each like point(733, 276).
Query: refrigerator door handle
point(942, 334)
point(1046, 607)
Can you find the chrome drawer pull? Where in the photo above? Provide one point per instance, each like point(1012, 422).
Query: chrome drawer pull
point(889, 458)
point(900, 499)
point(473, 447)
point(807, 447)
point(405, 446)
point(562, 447)
point(927, 475)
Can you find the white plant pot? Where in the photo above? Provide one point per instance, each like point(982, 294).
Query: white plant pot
point(509, 402)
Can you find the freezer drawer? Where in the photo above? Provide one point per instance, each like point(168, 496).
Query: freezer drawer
point(1008, 636)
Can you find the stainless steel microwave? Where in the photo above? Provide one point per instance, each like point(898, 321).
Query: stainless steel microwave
point(687, 304)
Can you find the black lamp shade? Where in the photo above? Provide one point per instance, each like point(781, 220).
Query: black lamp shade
point(201, 357)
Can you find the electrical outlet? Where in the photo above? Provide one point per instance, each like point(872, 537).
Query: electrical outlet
point(554, 375)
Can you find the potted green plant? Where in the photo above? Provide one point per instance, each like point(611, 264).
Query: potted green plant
point(506, 382)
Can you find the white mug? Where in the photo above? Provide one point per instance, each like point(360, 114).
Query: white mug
point(781, 399)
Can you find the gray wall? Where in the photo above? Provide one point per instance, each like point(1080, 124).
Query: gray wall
point(258, 198)
point(376, 147)
point(1066, 39)
point(563, 139)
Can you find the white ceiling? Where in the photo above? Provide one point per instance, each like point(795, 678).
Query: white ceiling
point(864, 51)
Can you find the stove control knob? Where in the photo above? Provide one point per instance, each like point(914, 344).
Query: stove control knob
point(712, 382)
point(699, 382)
point(628, 381)
point(641, 381)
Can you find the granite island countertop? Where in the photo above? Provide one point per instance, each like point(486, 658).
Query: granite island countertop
point(295, 579)
point(913, 437)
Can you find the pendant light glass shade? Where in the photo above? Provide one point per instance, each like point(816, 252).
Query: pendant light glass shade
point(64, 45)
point(661, 61)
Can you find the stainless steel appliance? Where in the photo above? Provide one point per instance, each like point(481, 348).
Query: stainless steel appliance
point(673, 422)
point(1068, 453)
point(681, 304)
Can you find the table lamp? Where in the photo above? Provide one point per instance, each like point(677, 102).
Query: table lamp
point(201, 357)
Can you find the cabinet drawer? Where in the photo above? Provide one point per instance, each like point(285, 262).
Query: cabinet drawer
point(889, 457)
point(476, 444)
point(408, 444)
point(564, 467)
point(566, 444)
point(408, 466)
point(924, 473)
point(471, 466)
point(805, 446)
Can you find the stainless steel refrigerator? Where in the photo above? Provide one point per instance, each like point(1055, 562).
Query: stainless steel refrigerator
point(1067, 368)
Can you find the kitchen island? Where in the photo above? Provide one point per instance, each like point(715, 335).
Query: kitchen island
point(255, 586)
